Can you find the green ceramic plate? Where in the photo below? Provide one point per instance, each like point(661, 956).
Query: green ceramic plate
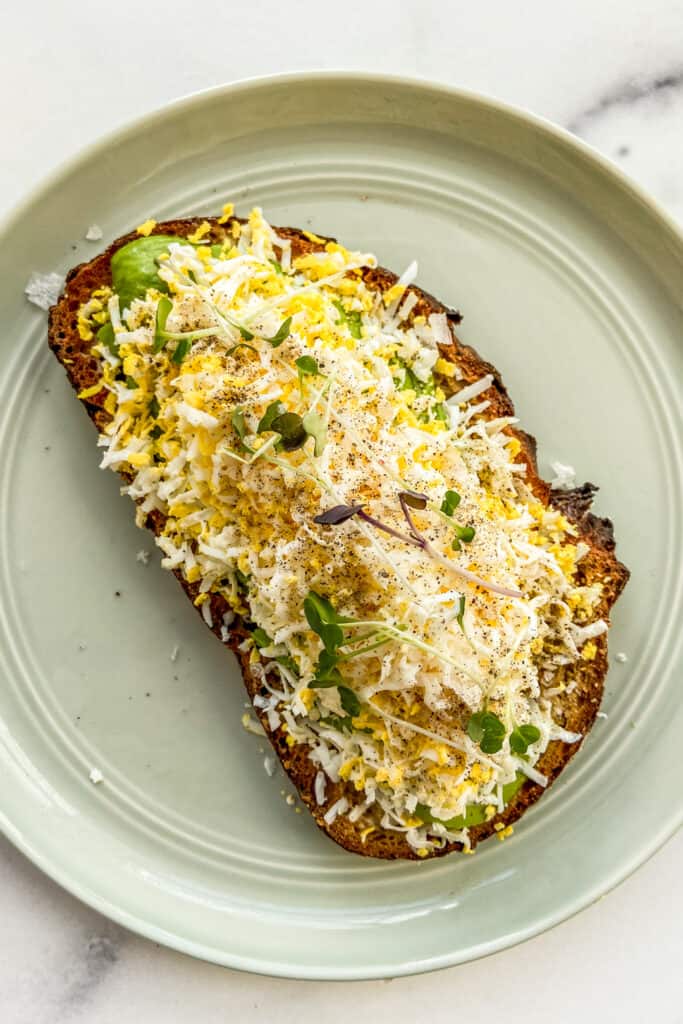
point(570, 282)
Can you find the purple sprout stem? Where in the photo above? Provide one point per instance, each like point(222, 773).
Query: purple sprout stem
point(416, 541)
point(414, 532)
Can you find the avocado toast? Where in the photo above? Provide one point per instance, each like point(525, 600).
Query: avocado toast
point(342, 491)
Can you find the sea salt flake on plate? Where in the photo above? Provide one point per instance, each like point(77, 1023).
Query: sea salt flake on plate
point(43, 290)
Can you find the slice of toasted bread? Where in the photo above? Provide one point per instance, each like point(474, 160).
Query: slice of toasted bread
point(574, 708)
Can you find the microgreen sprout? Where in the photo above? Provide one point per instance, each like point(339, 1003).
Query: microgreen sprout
point(240, 427)
point(337, 514)
point(341, 513)
point(408, 500)
point(288, 662)
point(290, 430)
point(451, 500)
point(275, 409)
point(487, 730)
point(306, 367)
point(342, 723)
point(242, 580)
point(411, 382)
point(351, 318)
point(245, 333)
point(281, 334)
point(181, 350)
point(337, 632)
point(298, 471)
point(184, 338)
point(323, 620)
point(349, 701)
point(290, 427)
point(164, 307)
point(106, 336)
point(223, 322)
point(261, 638)
point(315, 427)
point(326, 671)
point(414, 499)
point(464, 534)
point(240, 344)
point(522, 736)
point(461, 612)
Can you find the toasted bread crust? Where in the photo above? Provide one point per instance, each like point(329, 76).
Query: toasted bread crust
point(575, 711)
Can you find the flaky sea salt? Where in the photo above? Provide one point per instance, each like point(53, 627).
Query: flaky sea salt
point(43, 290)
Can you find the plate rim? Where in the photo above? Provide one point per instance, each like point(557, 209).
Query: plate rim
point(570, 907)
point(130, 127)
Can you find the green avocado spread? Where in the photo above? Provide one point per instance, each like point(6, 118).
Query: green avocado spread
point(475, 813)
point(135, 268)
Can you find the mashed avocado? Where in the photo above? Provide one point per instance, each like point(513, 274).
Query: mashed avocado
point(475, 813)
point(134, 267)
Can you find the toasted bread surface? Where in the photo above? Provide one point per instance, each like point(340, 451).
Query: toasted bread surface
point(574, 709)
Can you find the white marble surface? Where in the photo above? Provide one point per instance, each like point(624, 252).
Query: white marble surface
point(610, 71)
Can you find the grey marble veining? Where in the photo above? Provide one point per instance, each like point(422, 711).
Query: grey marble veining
point(61, 963)
point(639, 124)
point(88, 972)
point(65, 960)
point(629, 94)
